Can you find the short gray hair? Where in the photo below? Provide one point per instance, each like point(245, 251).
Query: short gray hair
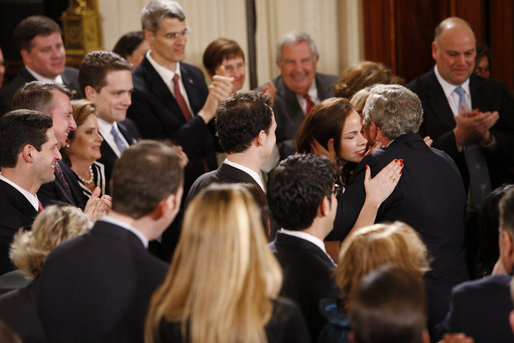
point(295, 37)
point(156, 10)
point(394, 109)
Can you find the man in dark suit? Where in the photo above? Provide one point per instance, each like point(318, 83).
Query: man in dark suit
point(481, 308)
point(171, 99)
point(300, 197)
point(246, 131)
point(298, 88)
point(96, 288)
point(39, 40)
point(106, 80)
point(430, 195)
point(28, 153)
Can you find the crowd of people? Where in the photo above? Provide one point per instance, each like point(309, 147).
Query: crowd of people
point(140, 204)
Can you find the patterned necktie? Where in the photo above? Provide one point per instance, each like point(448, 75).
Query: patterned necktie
point(180, 99)
point(310, 104)
point(120, 143)
point(479, 180)
point(60, 175)
point(39, 206)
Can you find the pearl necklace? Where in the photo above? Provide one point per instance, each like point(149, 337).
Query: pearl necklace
point(91, 179)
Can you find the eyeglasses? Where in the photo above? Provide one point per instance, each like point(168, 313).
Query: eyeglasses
point(175, 35)
point(338, 190)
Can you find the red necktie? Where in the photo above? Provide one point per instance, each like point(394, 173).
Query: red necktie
point(39, 206)
point(310, 103)
point(180, 99)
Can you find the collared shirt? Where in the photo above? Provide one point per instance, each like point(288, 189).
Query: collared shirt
point(167, 76)
point(105, 130)
point(127, 227)
point(308, 237)
point(34, 201)
point(41, 78)
point(313, 93)
point(250, 172)
point(451, 95)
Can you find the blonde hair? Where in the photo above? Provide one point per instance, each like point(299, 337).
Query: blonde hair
point(51, 227)
point(358, 100)
point(374, 246)
point(223, 276)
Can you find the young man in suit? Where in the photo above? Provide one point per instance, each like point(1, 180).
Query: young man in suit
point(298, 87)
point(96, 288)
point(245, 125)
point(106, 80)
point(171, 99)
point(302, 201)
point(28, 154)
point(481, 308)
point(430, 195)
point(39, 41)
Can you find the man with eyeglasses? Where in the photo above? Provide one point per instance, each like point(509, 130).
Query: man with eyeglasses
point(171, 99)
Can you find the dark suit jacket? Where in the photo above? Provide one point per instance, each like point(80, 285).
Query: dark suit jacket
point(55, 191)
point(439, 122)
point(431, 198)
point(224, 174)
point(19, 311)
point(480, 309)
point(288, 113)
point(285, 325)
point(15, 212)
point(96, 287)
point(131, 134)
point(307, 277)
point(158, 116)
point(69, 78)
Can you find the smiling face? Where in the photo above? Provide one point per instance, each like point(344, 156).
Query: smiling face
point(2, 68)
point(114, 98)
point(47, 56)
point(352, 146)
point(454, 53)
point(46, 158)
point(167, 50)
point(236, 68)
point(298, 67)
point(86, 141)
point(62, 116)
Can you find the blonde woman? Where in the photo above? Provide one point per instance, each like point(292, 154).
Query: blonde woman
point(223, 282)
point(363, 251)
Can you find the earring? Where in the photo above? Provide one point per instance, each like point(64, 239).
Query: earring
point(67, 146)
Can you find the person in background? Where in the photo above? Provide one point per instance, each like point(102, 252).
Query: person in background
point(225, 57)
point(132, 46)
point(2, 68)
point(483, 61)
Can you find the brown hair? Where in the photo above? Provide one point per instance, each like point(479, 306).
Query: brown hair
point(82, 109)
point(31, 27)
point(218, 50)
point(96, 65)
point(37, 96)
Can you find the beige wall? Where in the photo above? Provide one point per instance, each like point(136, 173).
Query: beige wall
point(335, 26)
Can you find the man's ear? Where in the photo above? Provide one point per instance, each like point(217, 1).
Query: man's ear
point(27, 153)
point(90, 93)
point(434, 50)
point(511, 320)
point(324, 206)
point(25, 55)
point(148, 35)
point(261, 138)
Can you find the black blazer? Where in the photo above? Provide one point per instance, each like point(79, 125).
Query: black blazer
point(480, 309)
point(224, 174)
point(131, 134)
point(96, 287)
point(288, 113)
point(439, 122)
point(158, 116)
point(69, 78)
point(285, 325)
point(55, 191)
point(431, 198)
point(308, 277)
point(15, 212)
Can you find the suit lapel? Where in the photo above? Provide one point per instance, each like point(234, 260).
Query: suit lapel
point(437, 102)
point(189, 85)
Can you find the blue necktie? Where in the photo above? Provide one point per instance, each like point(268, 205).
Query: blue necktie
point(120, 143)
point(479, 180)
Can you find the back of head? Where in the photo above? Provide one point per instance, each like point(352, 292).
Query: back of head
point(507, 212)
point(51, 227)
point(95, 66)
point(219, 50)
point(240, 118)
point(221, 227)
point(31, 27)
point(19, 128)
point(128, 43)
point(362, 75)
point(156, 10)
point(374, 246)
point(37, 96)
point(395, 109)
point(325, 121)
point(296, 188)
point(359, 99)
point(145, 174)
point(389, 306)
point(295, 37)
